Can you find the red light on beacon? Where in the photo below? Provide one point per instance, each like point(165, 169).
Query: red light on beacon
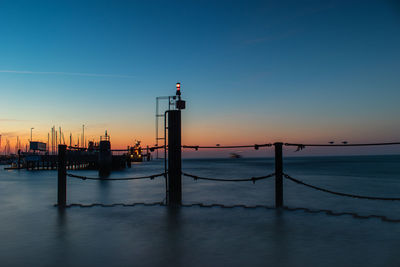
point(178, 88)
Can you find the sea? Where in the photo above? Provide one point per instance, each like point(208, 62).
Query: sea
point(33, 232)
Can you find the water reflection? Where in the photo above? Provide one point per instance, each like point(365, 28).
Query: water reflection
point(61, 225)
point(61, 217)
point(174, 247)
point(36, 233)
point(105, 189)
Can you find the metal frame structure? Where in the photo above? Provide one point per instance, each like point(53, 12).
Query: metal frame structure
point(171, 100)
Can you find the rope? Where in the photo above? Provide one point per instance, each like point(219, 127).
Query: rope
point(253, 179)
point(154, 147)
point(115, 179)
point(202, 205)
point(256, 146)
point(338, 193)
point(112, 205)
point(332, 145)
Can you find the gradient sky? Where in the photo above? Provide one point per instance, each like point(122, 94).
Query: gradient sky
point(251, 71)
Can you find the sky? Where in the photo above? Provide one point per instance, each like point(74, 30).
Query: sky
point(251, 71)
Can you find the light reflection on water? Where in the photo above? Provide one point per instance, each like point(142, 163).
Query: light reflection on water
point(33, 232)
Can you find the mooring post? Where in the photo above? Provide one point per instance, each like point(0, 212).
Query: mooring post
point(278, 175)
point(19, 159)
point(62, 176)
point(174, 158)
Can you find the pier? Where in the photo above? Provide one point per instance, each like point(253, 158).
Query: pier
point(173, 171)
point(95, 157)
point(75, 160)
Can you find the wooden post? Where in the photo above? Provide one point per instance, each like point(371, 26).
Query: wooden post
point(278, 175)
point(62, 177)
point(19, 159)
point(174, 158)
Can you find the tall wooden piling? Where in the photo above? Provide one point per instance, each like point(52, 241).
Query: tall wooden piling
point(19, 159)
point(174, 158)
point(105, 157)
point(278, 175)
point(62, 177)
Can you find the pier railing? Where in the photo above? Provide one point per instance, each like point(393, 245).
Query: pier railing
point(62, 177)
point(279, 175)
point(173, 169)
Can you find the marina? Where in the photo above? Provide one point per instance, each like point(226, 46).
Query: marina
point(97, 156)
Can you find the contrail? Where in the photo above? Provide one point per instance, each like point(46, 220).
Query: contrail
point(66, 73)
point(1, 119)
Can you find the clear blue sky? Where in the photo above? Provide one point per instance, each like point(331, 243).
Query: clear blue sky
point(252, 71)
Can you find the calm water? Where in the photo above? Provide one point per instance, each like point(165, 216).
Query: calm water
point(34, 233)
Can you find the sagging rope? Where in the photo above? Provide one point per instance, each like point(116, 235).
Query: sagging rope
point(116, 179)
point(338, 193)
point(154, 148)
point(113, 205)
point(255, 146)
point(252, 179)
